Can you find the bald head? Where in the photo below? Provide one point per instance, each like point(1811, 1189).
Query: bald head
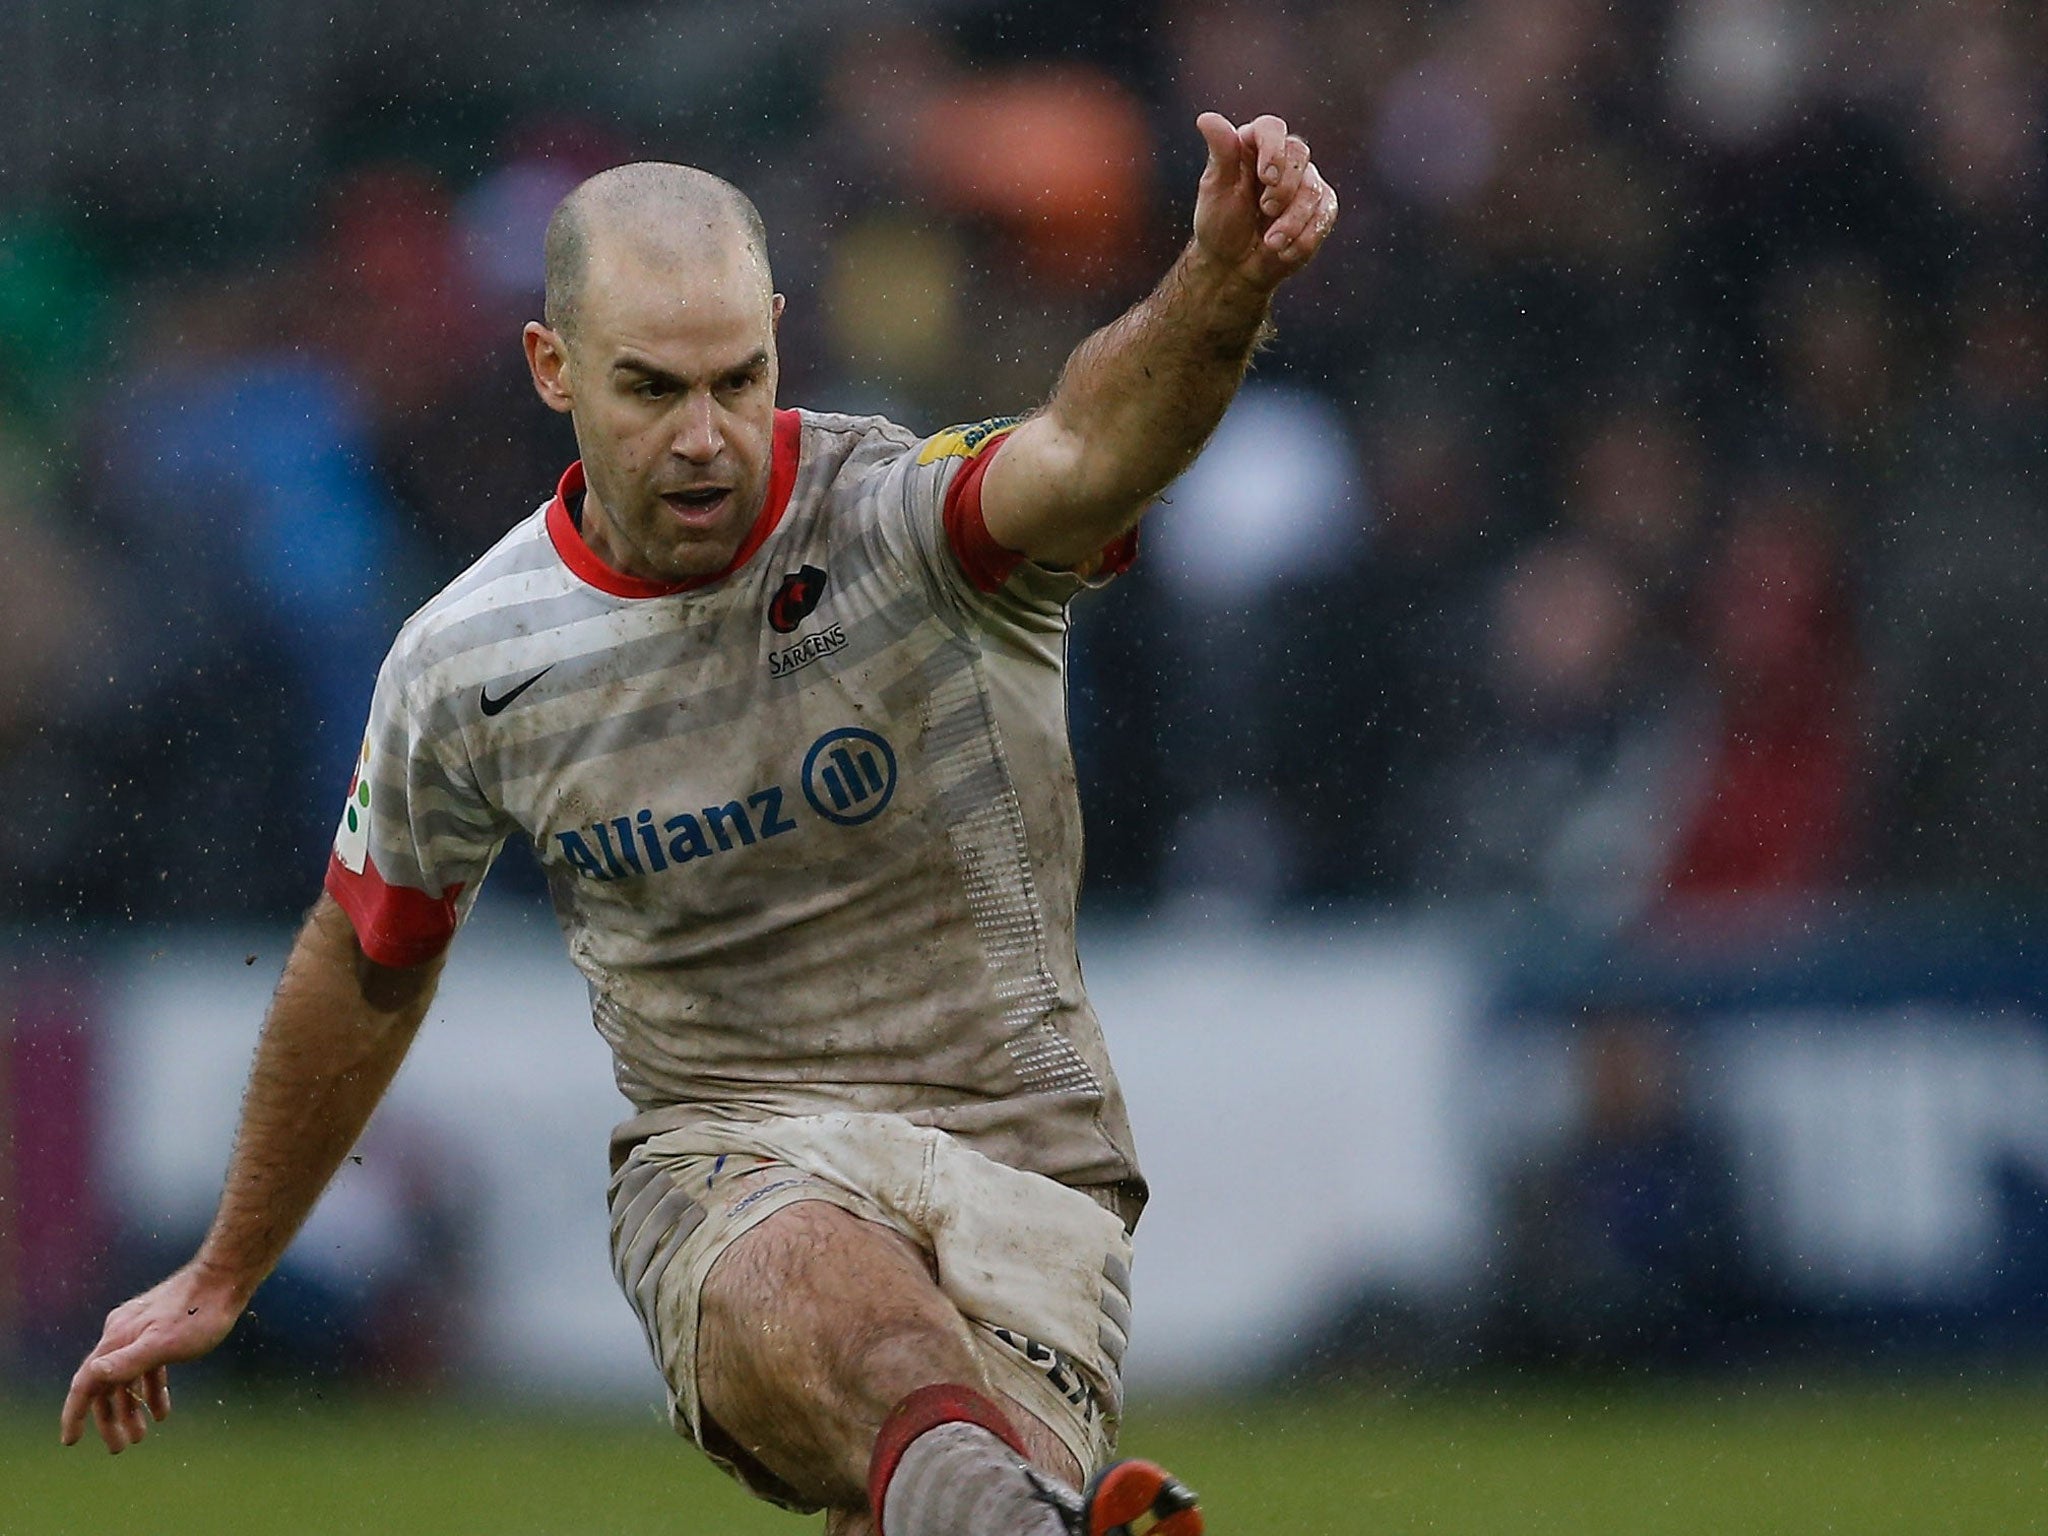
point(664, 215)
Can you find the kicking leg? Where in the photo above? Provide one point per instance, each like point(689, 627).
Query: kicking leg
point(813, 1328)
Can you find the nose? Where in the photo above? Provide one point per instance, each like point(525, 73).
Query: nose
point(698, 436)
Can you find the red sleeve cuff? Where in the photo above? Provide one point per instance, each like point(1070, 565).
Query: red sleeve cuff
point(988, 564)
point(396, 925)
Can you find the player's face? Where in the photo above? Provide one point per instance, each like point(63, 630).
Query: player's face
point(671, 379)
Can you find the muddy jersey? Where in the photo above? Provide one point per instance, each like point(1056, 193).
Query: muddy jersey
point(810, 826)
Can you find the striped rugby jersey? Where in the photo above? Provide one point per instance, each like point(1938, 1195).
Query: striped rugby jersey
point(810, 827)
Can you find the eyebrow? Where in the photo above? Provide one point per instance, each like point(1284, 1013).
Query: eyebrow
point(660, 375)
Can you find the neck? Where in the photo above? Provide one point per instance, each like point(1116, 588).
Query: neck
point(595, 524)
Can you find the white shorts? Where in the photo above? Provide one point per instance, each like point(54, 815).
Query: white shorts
point(1040, 1271)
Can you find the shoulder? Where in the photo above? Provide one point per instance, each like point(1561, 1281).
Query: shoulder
point(858, 456)
point(489, 603)
point(871, 439)
point(834, 443)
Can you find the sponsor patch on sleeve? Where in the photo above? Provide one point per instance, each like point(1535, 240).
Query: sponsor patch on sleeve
point(965, 442)
point(352, 838)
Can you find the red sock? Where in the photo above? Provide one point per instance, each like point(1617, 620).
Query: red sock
point(926, 1409)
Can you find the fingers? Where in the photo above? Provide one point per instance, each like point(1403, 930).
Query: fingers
point(119, 1400)
point(156, 1391)
point(71, 1423)
point(88, 1388)
point(1289, 172)
point(1279, 159)
point(103, 1419)
point(115, 1408)
point(128, 1411)
point(1303, 223)
point(117, 1415)
point(1302, 206)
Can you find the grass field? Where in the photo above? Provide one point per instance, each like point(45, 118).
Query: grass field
point(1863, 1458)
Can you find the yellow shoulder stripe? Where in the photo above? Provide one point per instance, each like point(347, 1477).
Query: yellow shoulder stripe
point(965, 442)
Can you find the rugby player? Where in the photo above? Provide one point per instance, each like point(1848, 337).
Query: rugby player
point(778, 698)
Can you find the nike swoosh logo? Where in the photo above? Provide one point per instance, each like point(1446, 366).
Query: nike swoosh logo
point(491, 706)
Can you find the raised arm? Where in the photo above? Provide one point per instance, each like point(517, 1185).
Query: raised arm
point(1139, 398)
point(337, 1030)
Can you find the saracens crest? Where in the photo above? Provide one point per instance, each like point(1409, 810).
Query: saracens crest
point(795, 599)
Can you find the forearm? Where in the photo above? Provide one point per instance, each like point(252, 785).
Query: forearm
point(1142, 394)
point(337, 1030)
point(1139, 398)
point(1133, 407)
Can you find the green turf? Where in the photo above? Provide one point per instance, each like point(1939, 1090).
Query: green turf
point(1855, 1458)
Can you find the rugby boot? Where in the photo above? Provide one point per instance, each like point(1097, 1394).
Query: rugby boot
point(1133, 1498)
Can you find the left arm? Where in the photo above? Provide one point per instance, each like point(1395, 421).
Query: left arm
point(1138, 399)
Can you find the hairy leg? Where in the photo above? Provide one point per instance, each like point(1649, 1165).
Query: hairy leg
point(812, 1327)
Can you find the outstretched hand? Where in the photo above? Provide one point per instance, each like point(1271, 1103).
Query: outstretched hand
point(127, 1371)
point(1262, 209)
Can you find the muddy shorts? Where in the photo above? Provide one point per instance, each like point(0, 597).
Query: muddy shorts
point(1040, 1271)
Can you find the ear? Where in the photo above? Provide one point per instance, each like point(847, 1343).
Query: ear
point(775, 316)
point(547, 359)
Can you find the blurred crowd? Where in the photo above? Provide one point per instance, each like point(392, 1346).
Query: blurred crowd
point(1635, 511)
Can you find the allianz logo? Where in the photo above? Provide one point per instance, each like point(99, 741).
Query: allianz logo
point(848, 778)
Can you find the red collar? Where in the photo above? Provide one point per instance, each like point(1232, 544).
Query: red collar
point(583, 561)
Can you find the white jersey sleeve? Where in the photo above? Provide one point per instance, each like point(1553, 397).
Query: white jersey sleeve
point(416, 835)
point(929, 508)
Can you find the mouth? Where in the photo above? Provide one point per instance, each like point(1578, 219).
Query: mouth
point(699, 504)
